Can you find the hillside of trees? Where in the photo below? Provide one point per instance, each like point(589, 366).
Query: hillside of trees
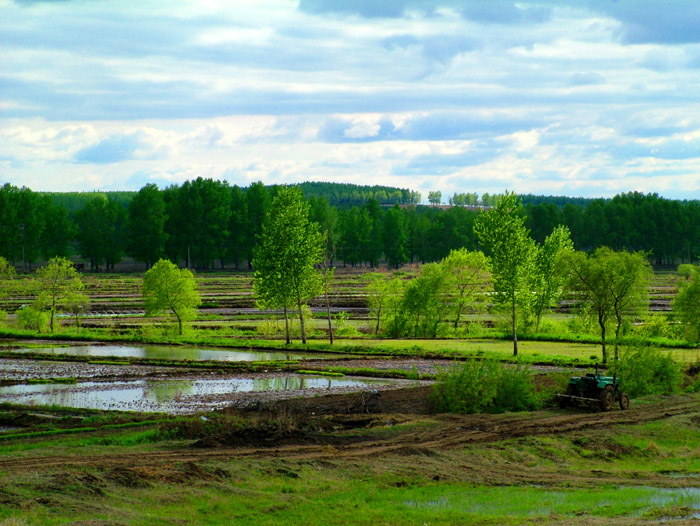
point(209, 224)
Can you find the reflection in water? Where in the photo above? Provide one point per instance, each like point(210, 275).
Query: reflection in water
point(177, 396)
point(168, 391)
point(155, 352)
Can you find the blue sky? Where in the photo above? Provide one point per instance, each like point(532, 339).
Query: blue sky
point(587, 98)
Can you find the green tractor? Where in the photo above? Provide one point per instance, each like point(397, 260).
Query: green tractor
point(595, 390)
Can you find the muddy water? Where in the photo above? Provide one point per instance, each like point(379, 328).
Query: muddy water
point(176, 396)
point(156, 352)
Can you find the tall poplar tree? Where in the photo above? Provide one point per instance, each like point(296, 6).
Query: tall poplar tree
point(548, 278)
point(284, 258)
point(501, 231)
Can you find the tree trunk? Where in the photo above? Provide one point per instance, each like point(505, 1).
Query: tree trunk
point(301, 323)
point(179, 322)
point(459, 314)
point(379, 314)
point(53, 310)
point(515, 332)
point(330, 322)
point(601, 322)
point(286, 325)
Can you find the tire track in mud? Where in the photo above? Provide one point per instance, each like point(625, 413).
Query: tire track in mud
point(445, 432)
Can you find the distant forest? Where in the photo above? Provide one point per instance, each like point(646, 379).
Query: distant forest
point(208, 224)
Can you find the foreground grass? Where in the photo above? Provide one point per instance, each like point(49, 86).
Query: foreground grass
point(601, 476)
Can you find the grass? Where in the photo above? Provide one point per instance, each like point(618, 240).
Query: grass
point(480, 484)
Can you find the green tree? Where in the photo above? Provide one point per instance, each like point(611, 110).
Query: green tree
point(114, 233)
point(57, 282)
point(686, 305)
point(370, 246)
point(168, 288)
point(77, 304)
point(502, 232)
point(468, 273)
point(394, 315)
point(238, 233)
point(59, 230)
point(258, 200)
point(435, 197)
point(424, 299)
point(395, 237)
point(204, 208)
point(21, 224)
point(7, 274)
point(89, 220)
point(377, 292)
point(628, 287)
point(610, 286)
point(284, 258)
point(588, 281)
point(327, 273)
point(146, 225)
point(548, 278)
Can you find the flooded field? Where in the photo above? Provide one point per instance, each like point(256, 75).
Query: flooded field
point(164, 352)
point(179, 395)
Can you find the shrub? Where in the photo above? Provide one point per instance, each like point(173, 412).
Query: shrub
point(515, 390)
point(347, 331)
point(32, 318)
point(484, 386)
point(645, 370)
point(655, 326)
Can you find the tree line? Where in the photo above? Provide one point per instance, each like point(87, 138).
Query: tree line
point(515, 275)
point(206, 223)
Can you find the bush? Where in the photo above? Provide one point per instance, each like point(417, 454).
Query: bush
point(32, 318)
point(484, 386)
point(655, 326)
point(515, 390)
point(645, 370)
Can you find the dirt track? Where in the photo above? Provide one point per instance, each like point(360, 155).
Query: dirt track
point(442, 433)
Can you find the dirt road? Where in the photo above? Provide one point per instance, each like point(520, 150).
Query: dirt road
point(431, 435)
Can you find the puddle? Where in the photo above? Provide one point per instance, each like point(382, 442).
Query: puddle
point(633, 501)
point(172, 396)
point(7, 429)
point(162, 352)
point(685, 497)
point(679, 474)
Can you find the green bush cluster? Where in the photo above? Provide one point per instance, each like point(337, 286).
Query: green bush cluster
point(484, 386)
point(645, 370)
point(32, 318)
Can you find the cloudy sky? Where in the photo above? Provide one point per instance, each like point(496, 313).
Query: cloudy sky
point(586, 98)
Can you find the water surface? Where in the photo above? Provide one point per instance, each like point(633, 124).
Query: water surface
point(173, 396)
point(164, 352)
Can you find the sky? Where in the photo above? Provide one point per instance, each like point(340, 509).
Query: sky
point(586, 98)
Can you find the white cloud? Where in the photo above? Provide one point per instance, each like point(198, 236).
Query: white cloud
point(541, 96)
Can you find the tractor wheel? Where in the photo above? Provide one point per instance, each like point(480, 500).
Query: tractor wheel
point(624, 401)
point(607, 398)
